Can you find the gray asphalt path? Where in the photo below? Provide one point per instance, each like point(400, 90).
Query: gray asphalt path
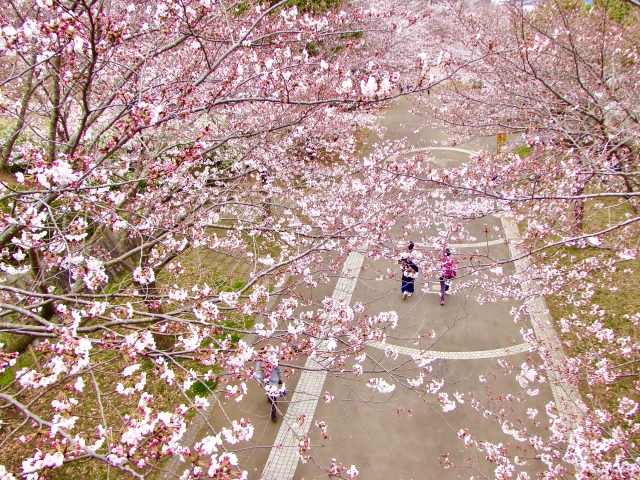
point(404, 434)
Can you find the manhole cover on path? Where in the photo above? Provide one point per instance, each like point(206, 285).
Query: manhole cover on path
point(440, 368)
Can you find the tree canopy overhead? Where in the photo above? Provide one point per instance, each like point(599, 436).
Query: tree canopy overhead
point(139, 138)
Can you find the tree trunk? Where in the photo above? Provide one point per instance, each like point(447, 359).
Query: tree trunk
point(55, 112)
point(578, 216)
point(150, 292)
point(8, 147)
point(20, 343)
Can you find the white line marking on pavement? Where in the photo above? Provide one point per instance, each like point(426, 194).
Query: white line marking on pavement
point(495, 353)
point(497, 241)
point(446, 149)
point(429, 149)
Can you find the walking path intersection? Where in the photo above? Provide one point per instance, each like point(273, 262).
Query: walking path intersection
point(401, 435)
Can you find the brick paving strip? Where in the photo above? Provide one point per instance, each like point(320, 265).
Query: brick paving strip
point(566, 395)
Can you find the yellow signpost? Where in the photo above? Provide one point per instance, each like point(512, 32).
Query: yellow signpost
point(502, 140)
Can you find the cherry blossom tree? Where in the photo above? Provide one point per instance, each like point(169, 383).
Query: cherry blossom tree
point(142, 136)
point(138, 136)
point(561, 79)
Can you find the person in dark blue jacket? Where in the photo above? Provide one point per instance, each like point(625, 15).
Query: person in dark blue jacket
point(272, 385)
point(409, 274)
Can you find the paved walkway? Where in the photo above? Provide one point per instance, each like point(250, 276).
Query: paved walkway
point(283, 460)
point(403, 434)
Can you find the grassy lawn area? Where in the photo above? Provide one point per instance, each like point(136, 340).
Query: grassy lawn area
point(617, 306)
point(103, 405)
point(611, 299)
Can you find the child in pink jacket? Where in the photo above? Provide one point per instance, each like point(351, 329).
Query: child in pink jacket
point(447, 272)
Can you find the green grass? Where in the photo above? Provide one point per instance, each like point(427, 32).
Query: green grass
point(6, 377)
point(25, 360)
point(202, 389)
point(166, 397)
point(623, 300)
point(312, 49)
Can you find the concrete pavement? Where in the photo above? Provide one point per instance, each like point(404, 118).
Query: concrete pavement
point(403, 434)
point(368, 430)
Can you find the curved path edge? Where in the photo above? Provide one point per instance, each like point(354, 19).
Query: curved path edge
point(494, 353)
